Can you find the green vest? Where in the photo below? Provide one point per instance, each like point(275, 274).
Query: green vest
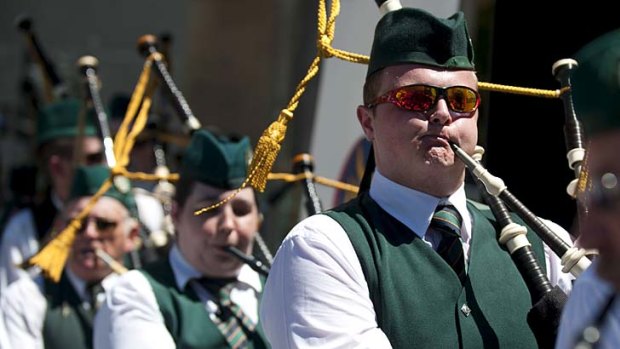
point(419, 300)
point(67, 323)
point(185, 315)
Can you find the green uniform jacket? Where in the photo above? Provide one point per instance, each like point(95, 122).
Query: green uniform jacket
point(185, 315)
point(419, 300)
point(67, 324)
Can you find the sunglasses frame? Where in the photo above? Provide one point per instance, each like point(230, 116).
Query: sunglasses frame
point(441, 92)
point(102, 225)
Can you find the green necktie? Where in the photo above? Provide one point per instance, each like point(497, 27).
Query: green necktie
point(447, 221)
point(232, 322)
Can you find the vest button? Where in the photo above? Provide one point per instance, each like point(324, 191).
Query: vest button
point(465, 309)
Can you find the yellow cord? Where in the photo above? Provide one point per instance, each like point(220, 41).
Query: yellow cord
point(290, 177)
point(268, 145)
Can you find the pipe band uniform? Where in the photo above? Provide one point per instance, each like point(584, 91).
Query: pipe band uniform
point(41, 313)
point(201, 295)
point(339, 276)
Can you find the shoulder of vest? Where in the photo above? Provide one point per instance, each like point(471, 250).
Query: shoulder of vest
point(158, 273)
point(479, 205)
point(343, 208)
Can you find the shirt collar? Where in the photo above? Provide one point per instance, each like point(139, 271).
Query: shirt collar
point(185, 272)
point(79, 285)
point(413, 208)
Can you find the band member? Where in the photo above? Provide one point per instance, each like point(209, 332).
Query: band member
point(410, 262)
point(57, 129)
point(42, 314)
point(201, 296)
point(592, 303)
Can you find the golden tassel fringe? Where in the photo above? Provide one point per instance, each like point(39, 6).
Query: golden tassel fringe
point(53, 256)
point(267, 150)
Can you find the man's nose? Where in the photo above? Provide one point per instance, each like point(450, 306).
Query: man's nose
point(440, 113)
point(90, 229)
point(226, 220)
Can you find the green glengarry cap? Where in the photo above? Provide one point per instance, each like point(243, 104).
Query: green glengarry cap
point(88, 179)
point(60, 120)
point(411, 35)
point(216, 160)
point(596, 84)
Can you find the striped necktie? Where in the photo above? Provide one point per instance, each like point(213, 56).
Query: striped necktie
point(232, 322)
point(447, 221)
point(96, 295)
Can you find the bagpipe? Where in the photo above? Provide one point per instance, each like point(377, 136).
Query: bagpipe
point(54, 86)
point(151, 240)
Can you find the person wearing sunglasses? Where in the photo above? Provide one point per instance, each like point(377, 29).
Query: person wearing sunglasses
point(410, 262)
point(40, 313)
point(591, 317)
point(56, 134)
point(200, 296)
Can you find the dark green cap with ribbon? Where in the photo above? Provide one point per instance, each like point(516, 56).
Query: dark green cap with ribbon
point(60, 120)
point(217, 160)
point(596, 84)
point(88, 179)
point(411, 35)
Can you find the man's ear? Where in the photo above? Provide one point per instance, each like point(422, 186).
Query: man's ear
point(132, 241)
point(365, 118)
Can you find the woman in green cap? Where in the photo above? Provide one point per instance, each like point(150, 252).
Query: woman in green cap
point(201, 296)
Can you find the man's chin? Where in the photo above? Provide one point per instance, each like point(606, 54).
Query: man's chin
point(223, 266)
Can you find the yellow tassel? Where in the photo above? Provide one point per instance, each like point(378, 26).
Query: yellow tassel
point(52, 258)
point(267, 150)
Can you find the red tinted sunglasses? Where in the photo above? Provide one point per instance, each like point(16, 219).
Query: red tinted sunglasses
point(421, 98)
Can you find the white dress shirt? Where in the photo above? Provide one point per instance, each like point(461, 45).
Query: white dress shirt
point(589, 295)
point(24, 305)
point(4, 339)
point(316, 294)
point(130, 317)
point(19, 242)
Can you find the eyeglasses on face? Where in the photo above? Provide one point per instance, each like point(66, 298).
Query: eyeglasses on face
point(102, 225)
point(421, 98)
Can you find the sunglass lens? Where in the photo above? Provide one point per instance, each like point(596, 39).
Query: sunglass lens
point(462, 99)
point(103, 224)
point(417, 98)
